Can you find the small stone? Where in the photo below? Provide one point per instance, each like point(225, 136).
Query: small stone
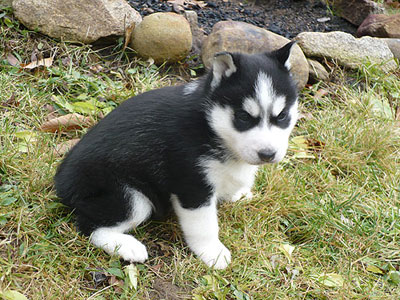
point(165, 37)
point(394, 46)
point(380, 26)
point(242, 37)
point(346, 49)
point(317, 71)
point(198, 34)
point(323, 20)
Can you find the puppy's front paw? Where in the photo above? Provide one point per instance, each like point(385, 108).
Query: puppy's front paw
point(215, 255)
point(244, 193)
point(130, 249)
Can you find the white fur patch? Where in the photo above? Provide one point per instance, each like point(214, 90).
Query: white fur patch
point(231, 179)
point(287, 64)
point(252, 107)
point(278, 105)
point(141, 207)
point(223, 65)
point(265, 93)
point(200, 229)
point(114, 241)
point(190, 87)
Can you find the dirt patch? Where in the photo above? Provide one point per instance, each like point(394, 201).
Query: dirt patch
point(284, 17)
point(166, 290)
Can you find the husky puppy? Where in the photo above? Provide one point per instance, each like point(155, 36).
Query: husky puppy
point(183, 148)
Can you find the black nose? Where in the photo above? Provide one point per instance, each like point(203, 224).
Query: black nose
point(266, 155)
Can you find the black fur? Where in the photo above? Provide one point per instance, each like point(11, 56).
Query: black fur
point(152, 142)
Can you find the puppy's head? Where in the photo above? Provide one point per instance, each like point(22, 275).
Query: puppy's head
point(253, 104)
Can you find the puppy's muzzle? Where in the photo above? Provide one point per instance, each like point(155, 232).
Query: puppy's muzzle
point(266, 155)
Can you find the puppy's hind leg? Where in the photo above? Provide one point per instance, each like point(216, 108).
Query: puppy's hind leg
point(113, 239)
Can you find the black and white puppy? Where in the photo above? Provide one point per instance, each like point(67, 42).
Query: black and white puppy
point(182, 147)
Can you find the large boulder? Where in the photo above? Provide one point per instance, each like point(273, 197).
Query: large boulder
point(355, 11)
point(163, 37)
point(346, 49)
point(383, 26)
point(235, 36)
point(77, 21)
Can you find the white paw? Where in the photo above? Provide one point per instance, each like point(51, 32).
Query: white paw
point(130, 249)
point(244, 193)
point(215, 255)
point(124, 245)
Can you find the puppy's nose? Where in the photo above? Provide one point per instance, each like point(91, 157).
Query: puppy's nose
point(266, 155)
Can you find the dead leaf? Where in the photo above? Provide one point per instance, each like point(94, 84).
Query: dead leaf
point(118, 284)
point(64, 147)
point(393, 4)
point(46, 62)
point(49, 108)
point(156, 268)
point(331, 280)
point(306, 115)
point(12, 295)
point(132, 272)
point(200, 4)
point(375, 270)
point(25, 140)
point(315, 145)
point(66, 61)
point(128, 35)
point(321, 93)
point(179, 6)
point(287, 250)
point(10, 102)
point(96, 68)
point(66, 123)
point(12, 60)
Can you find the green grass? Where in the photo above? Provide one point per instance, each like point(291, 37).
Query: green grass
point(335, 199)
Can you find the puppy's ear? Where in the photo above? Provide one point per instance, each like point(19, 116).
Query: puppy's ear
point(223, 66)
point(283, 54)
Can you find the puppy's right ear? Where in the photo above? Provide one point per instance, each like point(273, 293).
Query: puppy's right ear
point(223, 66)
point(283, 54)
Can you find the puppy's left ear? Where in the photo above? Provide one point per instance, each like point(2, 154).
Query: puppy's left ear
point(223, 66)
point(283, 54)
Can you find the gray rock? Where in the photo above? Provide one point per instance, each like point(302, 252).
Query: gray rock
point(242, 37)
point(355, 11)
point(380, 26)
point(394, 46)
point(346, 49)
point(163, 37)
point(317, 71)
point(198, 35)
point(78, 21)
